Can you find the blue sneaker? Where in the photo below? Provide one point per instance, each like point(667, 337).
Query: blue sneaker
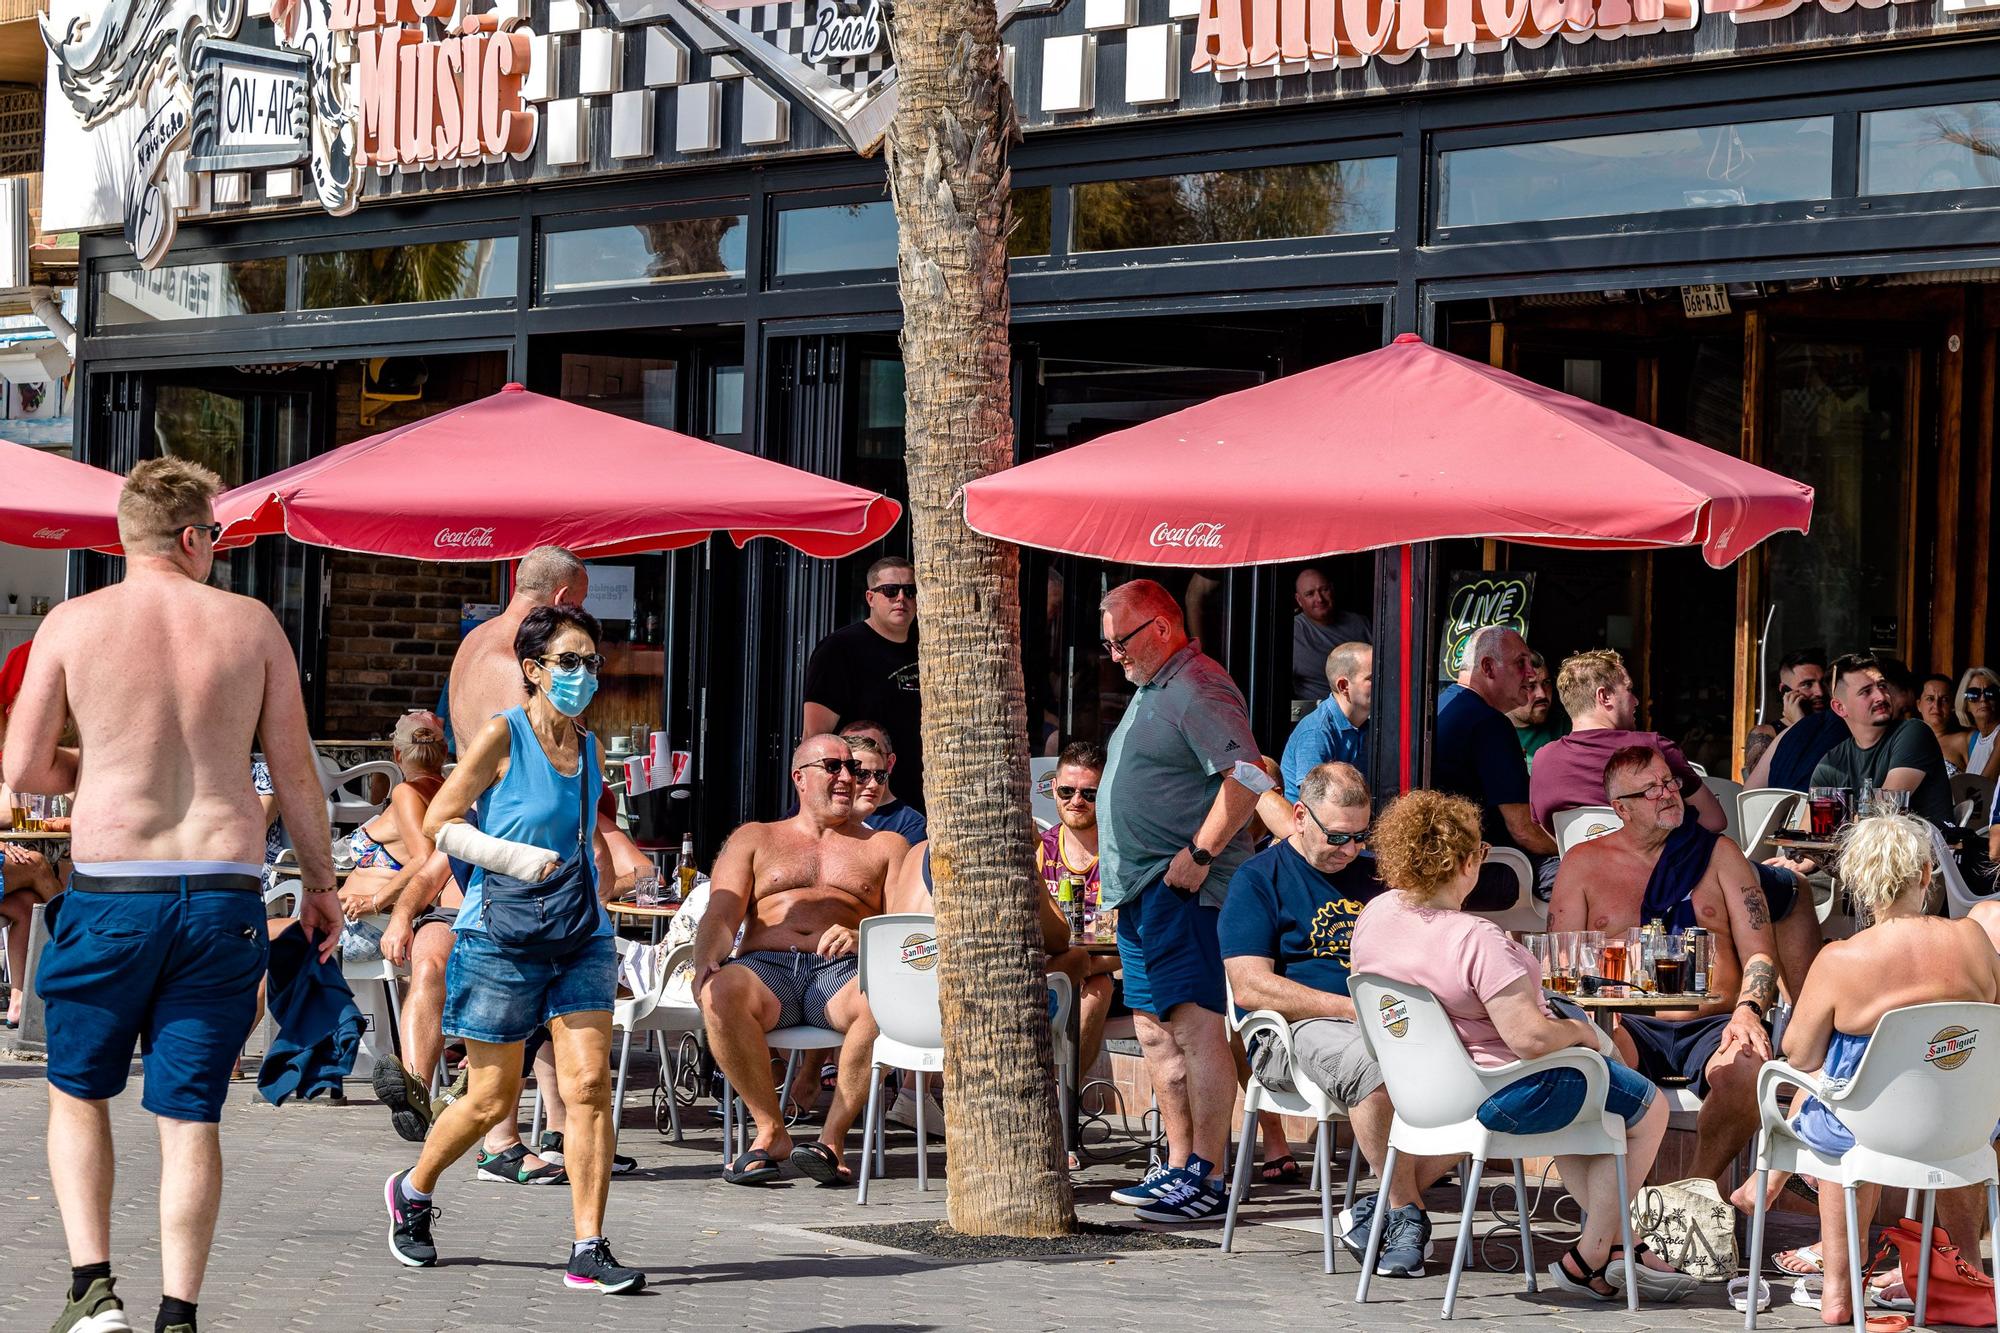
point(1193, 1198)
point(1157, 1182)
point(1352, 1226)
point(1406, 1242)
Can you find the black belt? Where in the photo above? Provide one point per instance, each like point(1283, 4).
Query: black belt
point(82, 882)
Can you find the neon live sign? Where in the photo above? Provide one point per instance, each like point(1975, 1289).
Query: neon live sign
point(1239, 38)
point(427, 102)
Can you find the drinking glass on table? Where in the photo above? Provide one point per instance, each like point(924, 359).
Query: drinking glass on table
point(1562, 962)
point(1613, 962)
point(18, 812)
point(1827, 809)
point(1539, 946)
point(646, 888)
point(1670, 965)
point(1589, 961)
point(642, 738)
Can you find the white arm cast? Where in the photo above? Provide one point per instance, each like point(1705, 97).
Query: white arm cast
point(518, 859)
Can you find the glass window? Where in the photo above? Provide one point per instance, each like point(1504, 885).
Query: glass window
point(882, 404)
point(840, 238)
point(402, 274)
point(643, 254)
point(1030, 236)
point(1655, 171)
point(642, 388)
point(191, 291)
point(1927, 149)
point(1250, 204)
point(725, 390)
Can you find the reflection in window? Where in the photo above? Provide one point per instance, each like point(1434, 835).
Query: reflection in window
point(1030, 236)
point(1251, 204)
point(881, 432)
point(1929, 149)
point(840, 238)
point(403, 274)
point(1656, 171)
point(202, 427)
point(191, 291)
point(642, 388)
point(670, 250)
point(725, 393)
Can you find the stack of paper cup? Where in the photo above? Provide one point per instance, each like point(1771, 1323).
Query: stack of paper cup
point(663, 749)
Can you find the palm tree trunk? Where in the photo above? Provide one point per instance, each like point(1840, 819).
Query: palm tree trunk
point(948, 175)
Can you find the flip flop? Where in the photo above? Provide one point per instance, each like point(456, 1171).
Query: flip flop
point(1739, 1294)
point(1805, 1261)
point(1893, 1295)
point(1280, 1171)
point(816, 1161)
point(753, 1168)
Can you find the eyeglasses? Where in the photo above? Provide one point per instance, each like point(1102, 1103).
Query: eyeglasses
point(1989, 695)
point(869, 777)
point(834, 767)
point(1652, 791)
point(1071, 793)
point(214, 530)
point(892, 590)
point(1117, 646)
point(591, 662)
point(1333, 838)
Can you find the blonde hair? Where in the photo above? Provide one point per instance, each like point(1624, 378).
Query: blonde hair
point(1958, 705)
point(162, 497)
point(1883, 857)
point(1423, 841)
point(419, 741)
point(1584, 674)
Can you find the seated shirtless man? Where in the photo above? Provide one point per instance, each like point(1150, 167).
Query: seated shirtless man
point(804, 883)
point(1662, 867)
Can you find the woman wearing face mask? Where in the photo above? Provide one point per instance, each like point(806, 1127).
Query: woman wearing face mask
point(534, 943)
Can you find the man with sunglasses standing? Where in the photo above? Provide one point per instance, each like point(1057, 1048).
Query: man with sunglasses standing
point(1172, 834)
point(869, 670)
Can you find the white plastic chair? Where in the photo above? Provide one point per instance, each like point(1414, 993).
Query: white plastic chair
point(1726, 790)
point(1958, 895)
point(1761, 812)
point(1920, 1106)
point(668, 1009)
point(899, 958)
point(347, 803)
point(385, 974)
point(1309, 1100)
point(1978, 790)
point(1065, 1053)
point(1437, 1091)
point(1582, 824)
point(1041, 793)
point(1529, 915)
point(736, 1121)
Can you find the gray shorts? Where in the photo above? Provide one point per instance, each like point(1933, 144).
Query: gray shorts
point(805, 983)
point(1331, 1055)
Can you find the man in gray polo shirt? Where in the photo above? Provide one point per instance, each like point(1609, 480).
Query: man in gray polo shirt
point(1171, 833)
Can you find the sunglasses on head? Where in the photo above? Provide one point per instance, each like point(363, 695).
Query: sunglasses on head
point(591, 662)
point(1071, 793)
point(1333, 838)
point(834, 767)
point(908, 590)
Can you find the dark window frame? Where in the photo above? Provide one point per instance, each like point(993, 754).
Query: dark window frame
point(693, 287)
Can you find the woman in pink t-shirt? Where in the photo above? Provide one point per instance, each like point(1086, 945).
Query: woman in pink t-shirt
point(1427, 850)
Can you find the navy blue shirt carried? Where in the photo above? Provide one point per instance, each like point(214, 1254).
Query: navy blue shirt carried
point(1302, 919)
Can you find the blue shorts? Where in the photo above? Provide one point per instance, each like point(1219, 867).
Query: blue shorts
point(174, 972)
point(1671, 1048)
point(1168, 947)
point(1551, 1099)
point(497, 996)
point(1781, 889)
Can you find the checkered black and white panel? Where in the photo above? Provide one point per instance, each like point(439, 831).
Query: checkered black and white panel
point(788, 27)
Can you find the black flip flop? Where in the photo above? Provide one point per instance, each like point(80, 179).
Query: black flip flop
point(1279, 1171)
point(752, 1168)
point(817, 1162)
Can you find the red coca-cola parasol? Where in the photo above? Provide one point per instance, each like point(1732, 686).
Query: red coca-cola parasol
point(55, 503)
point(496, 478)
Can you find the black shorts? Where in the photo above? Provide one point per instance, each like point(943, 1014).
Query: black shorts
point(1676, 1050)
point(1781, 890)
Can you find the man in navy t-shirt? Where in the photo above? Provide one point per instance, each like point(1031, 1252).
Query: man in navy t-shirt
point(1285, 931)
point(1475, 754)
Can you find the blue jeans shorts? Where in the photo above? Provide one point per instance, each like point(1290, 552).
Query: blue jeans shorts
point(1551, 1099)
point(497, 996)
point(174, 972)
point(1170, 952)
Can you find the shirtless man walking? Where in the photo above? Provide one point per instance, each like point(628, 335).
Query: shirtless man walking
point(1663, 867)
point(160, 940)
point(804, 885)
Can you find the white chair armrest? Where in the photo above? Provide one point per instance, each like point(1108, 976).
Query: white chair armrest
point(1775, 1075)
point(1596, 1079)
point(1269, 1023)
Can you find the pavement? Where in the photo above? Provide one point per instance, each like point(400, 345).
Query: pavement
point(302, 1245)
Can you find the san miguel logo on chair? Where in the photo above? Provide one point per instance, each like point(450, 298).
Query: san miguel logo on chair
point(1395, 1016)
point(919, 952)
point(1951, 1047)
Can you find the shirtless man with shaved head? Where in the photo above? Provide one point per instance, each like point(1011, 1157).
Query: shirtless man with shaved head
point(799, 888)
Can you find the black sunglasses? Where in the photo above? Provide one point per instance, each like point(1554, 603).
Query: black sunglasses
point(833, 767)
point(1989, 694)
point(908, 590)
point(1117, 645)
point(214, 530)
point(1071, 793)
point(591, 662)
point(870, 776)
point(1334, 839)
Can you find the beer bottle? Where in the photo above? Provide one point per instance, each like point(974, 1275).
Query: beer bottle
point(684, 871)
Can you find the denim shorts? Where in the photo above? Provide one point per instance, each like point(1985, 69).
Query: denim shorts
point(497, 996)
point(1551, 1100)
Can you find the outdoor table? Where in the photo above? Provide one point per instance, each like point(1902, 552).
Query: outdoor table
point(1605, 1008)
point(51, 845)
point(653, 915)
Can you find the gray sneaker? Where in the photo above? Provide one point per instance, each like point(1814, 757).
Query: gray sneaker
point(1352, 1226)
point(1406, 1242)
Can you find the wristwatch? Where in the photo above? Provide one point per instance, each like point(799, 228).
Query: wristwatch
point(1201, 858)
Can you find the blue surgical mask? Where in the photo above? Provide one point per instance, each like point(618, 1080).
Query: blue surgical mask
point(571, 691)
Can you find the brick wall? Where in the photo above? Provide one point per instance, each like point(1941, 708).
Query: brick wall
point(392, 625)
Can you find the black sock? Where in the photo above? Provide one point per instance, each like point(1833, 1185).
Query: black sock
point(174, 1310)
point(82, 1275)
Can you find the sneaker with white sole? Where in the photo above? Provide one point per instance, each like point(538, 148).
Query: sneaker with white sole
point(98, 1310)
point(550, 1150)
point(1353, 1226)
point(1406, 1242)
point(1157, 1182)
point(1191, 1199)
point(904, 1112)
point(595, 1269)
point(409, 1225)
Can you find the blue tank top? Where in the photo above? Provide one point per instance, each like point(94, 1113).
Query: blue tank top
point(535, 804)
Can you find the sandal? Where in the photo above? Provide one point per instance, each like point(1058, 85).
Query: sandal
point(1805, 1261)
point(818, 1162)
point(1739, 1294)
point(1655, 1284)
point(1586, 1284)
point(506, 1168)
point(1282, 1171)
point(754, 1167)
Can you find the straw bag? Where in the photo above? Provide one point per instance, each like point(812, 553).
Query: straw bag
point(1690, 1225)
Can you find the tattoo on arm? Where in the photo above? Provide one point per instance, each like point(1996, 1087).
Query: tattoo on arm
point(1760, 983)
point(1754, 909)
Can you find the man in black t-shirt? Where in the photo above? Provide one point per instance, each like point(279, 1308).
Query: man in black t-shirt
point(869, 670)
point(1886, 753)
